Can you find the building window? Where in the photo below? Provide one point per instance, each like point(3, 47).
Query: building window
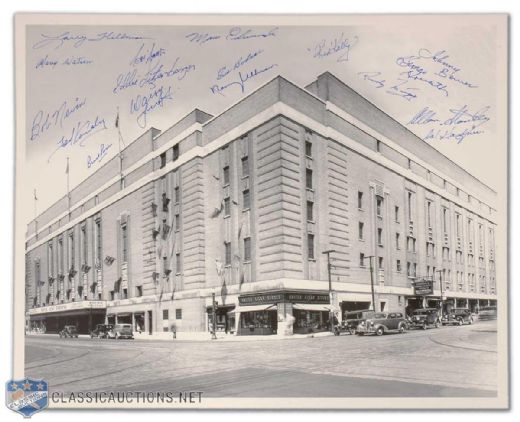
point(247, 249)
point(410, 206)
point(124, 242)
point(378, 146)
point(178, 263)
point(396, 214)
point(177, 222)
point(166, 265)
point(177, 194)
point(380, 263)
point(379, 206)
point(445, 253)
point(310, 246)
point(308, 149)
point(61, 267)
point(457, 221)
point(361, 259)
point(138, 291)
point(112, 295)
point(175, 152)
point(361, 227)
point(165, 314)
point(246, 199)
point(84, 243)
point(178, 313)
point(429, 213)
point(398, 265)
point(380, 236)
point(308, 178)
point(360, 200)
point(227, 250)
point(227, 207)
point(410, 244)
point(397, 241)
point(310, 211)
point(125, 294)
point(99, 242)
point(226, 175)
point(163, 159)
point(72, 251)
point(444, 220)
point(245, 166)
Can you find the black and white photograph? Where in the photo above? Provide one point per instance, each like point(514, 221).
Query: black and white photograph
point(228, 211)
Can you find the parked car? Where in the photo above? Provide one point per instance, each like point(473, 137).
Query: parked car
point(69, 331)
point(425, 318)
point(103, 331)
point(381, 323)
point(458, 316)
point(123, 331)
point(487, 313)
point(351, 320)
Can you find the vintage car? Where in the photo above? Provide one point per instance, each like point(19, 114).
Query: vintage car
point(69, 331)
point(123, 331)
point(487, 313)
point(425, 318)
point(457, 316)
point(382, 322)
point(103, 331)
point(351, 320)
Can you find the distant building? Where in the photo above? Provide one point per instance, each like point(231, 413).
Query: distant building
point(244, 204)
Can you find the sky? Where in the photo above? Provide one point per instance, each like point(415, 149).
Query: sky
point(437, 77)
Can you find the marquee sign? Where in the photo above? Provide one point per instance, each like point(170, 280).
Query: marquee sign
point(423, 287)
point(284, 296)
point(85, 304)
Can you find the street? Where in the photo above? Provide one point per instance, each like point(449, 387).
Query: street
point(444, 362)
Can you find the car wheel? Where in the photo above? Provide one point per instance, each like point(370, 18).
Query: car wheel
point(402, 328)
point(470, 321)
point(351, 331)
point(424, 327)
point(380, 331)
point(460, 322)
point(437, 325)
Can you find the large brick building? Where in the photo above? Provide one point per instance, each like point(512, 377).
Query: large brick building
point(242, 205)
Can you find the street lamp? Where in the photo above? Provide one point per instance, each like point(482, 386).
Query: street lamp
point(372, 281)
point(331, 318)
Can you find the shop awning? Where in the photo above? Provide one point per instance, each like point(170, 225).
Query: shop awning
point(253, 308)
point(312, 307)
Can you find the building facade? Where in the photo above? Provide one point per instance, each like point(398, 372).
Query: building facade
point(237, 210)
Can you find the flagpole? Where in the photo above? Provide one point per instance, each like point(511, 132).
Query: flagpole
point(67, 171)
point(35, 213)
point(120, 141)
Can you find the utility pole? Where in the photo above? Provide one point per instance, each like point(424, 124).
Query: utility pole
point(372, 282)
point(331, 313)
point(440, 286)
point(214, 318)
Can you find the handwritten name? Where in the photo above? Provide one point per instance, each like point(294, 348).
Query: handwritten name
point(46, 62)
point(236, 33)
point(147, 55)
point(243, 77)
point(45, 120)
point(457, 123)
point(79, 133)
point(77, 40)
point(241, 61)
point(103, 151)
point(325, 48)
point(134, 79)
point(142, 105)
point(398, 88)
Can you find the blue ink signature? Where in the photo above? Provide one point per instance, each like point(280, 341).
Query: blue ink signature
point(241, 61)
point(242, 79)
point(69, 61)
point(398, 88)
point(235, 34)
point(418, 73)
point(103, 150)
point(147, 56)
point(43, 121)
point(158, 71)
point(81, 131)
point(456, 117)
point(144, 104)
point(325, 48)
point(79, 40)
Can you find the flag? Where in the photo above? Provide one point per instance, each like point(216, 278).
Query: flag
point(216, 212)
point(220, 267)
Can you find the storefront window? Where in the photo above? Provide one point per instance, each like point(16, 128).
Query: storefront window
point(310, 321)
